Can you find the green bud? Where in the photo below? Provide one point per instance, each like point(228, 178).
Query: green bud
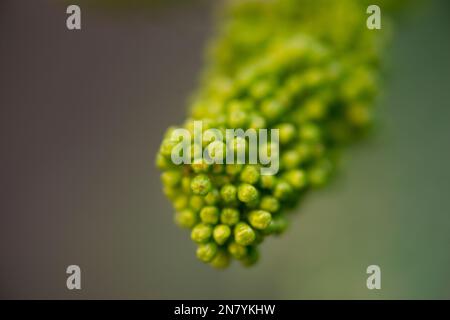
point(186, 184)
point(257, 122)
point(196, 153)
point(313, 77)
point(250, 174)
point(278, 224)
point(270, 204)
point(212, 197)
point(186, 218)
point(196, 203)
point(305, 151)
point(166, 147)
point(319, 94)
point(207, 251)
point(287, 133)
point(201, 233)
point(171, 178)
point(216, 150)
point(237, 251)
point(309, 132)
point(228, 193)
point(162, 162)
point(251, 258)
point(201, 184)
point(221, 233)
point(233, 169)
point(296, 178)
point(247, 193)
point(318, 176)
point(229, 216)
point(283, 190)
point(170, 192)
point(221, 260)
point(218, 168)
point(209, 215)
point(268, 182)
point(315, 109)
point(262, 89)
point(272, 109)
point(259, 219)
point(358, 115)
point(237, 119)
point(244, 234)
point(181, 202)
point(220, 180)
point(200, 166)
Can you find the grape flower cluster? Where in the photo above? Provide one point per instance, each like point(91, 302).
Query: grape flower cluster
point(307, 68)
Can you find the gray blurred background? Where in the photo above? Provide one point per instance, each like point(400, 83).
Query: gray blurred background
point(81, 117)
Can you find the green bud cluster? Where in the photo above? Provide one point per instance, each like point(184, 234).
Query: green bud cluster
point(307, 68)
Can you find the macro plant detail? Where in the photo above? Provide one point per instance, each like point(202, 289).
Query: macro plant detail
point(311, 70)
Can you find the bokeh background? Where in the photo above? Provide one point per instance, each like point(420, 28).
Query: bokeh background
point(82, 115)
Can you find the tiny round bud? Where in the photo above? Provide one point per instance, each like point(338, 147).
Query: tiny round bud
point(283, 190)
point(186, 218)
point(220, 180)
point(166, 147)
point(318, 176)
point(259, 219)
point(287, 133)
point(221, 233)
point(257, 122)
point(229, 216)
point(278, 224)
point(209, 215)
point(221, 260)
point(200, 166)
point(290, 159)
point(207, 251)
point(272, 109)
point(247, 193)
point(196, 153)
point(186, 184)
point(196, 203)
point(358, 115)
point(268, 181)
point(201, 184)
point(171, 178)
point(228, 193)
point(309, 132)
point(237, 119)
point(261, 89)
point(251, 258)
point(201, 233)
point(216, 151)
point(315, 109)
point(233, 169)
point(237, 251)
point(170, 192)
point(181, 202)
point(218, 168)
point(212, 197)
point(305, 151)
point(250, 174)
point(270, 204)
point(162, 162)
point(296, 178)
point(244, 234)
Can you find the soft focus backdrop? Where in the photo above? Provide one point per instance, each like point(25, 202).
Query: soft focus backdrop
point(81, 117)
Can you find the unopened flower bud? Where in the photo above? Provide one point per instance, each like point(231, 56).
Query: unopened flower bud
point(244, 234)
